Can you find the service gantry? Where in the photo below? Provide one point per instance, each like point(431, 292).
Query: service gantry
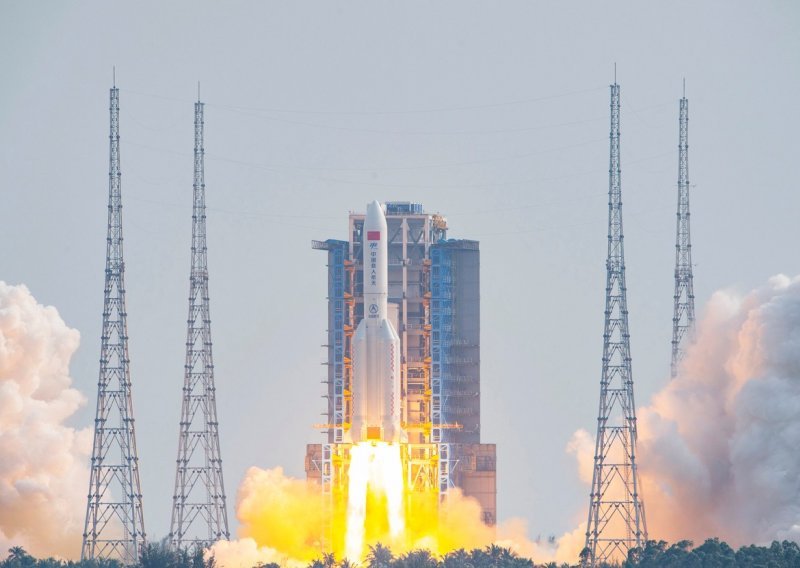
point(434, 304)
point(616, 513)
point(114, 527)
point(199, 513)
point(683, 313)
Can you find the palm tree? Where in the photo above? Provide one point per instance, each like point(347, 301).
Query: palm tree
point(18, 557)
point(497, 555)
point(416, 559)
point(379, 556)
point(457, 559)
point(494, 556)
point(197, 559)
point(585, 557)
point(329, 560)
point(161, 555)
point(97, 563)
point(479, 559)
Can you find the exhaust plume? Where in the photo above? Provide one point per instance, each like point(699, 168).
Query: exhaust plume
point(718, 445)
point(43, 470)
point(282, 521)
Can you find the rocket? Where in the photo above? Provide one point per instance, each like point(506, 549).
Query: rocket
point(376, 345)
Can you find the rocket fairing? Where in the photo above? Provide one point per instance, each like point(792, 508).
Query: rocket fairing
point(376, 345)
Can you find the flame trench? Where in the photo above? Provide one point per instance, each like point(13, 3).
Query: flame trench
point(375, 496)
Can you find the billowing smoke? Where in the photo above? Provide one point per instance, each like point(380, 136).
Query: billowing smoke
point(44, 465)
point(282, 521)
point(719, 445)
point(282, 516)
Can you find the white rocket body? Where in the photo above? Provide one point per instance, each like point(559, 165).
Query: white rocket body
point(376, 345)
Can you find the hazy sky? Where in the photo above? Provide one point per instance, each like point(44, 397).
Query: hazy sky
point(494, 114)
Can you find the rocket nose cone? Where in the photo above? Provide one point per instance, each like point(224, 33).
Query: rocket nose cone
point(375, 222)
point(374, 209)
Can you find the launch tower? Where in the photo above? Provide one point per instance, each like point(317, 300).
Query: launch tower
point(683, 313)
point(199, 513)
point(433, 303)
point(616, 513)
point(114, 526)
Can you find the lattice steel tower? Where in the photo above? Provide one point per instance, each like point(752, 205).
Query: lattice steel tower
point(683, 313)
point(114, 525)
point(199, 514)
point(616, 513)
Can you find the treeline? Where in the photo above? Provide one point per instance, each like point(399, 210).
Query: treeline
point(153, 556)
point(380, 556)
point(713, 553)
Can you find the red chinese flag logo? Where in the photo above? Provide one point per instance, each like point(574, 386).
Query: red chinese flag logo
point(373, 235)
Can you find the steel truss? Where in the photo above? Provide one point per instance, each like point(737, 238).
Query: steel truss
point(683, 313)
point(199, 513)
point(114, 527)
point(616, 520)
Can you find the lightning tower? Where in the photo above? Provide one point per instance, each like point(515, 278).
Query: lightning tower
point(616, 513)
point(114, 526)
point(683, 313)
point(199, 514)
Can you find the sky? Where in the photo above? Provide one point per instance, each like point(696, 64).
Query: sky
point(493, 114)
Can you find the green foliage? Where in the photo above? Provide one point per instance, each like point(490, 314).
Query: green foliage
point(97, 563)
point(19, 558)
point(457, 559)
point(416, 559)
point(379, 556)
point(494, 556)
point(153, 556)
point(713, 553)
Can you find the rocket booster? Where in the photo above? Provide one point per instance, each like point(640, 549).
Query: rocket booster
point(376, 345)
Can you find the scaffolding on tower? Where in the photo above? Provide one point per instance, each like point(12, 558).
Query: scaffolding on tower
point(340, 333)
point(441, 314)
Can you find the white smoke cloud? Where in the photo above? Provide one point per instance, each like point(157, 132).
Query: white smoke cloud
point(43, 462)
point(719, 445)
point(245, 553)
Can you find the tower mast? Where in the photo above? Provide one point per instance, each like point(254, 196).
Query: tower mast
point(199, 514)
point(616, 513)
point(114, 526)
point(683, 313)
